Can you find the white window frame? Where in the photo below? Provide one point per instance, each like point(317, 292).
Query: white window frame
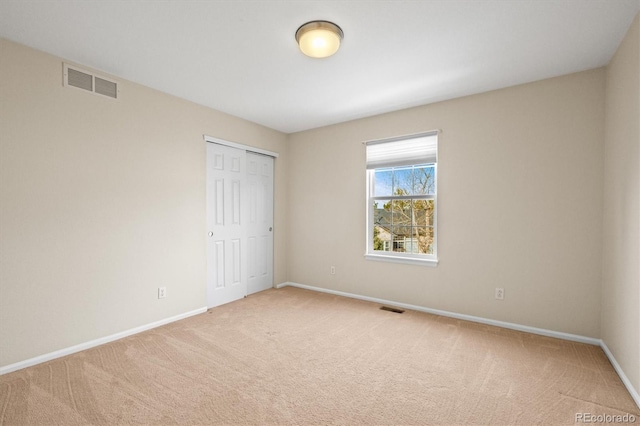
point(399, 257)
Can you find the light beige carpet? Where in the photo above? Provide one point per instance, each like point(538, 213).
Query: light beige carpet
point(293, 356)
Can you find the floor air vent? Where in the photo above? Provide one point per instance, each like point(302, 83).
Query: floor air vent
point(390, 309)
point(86, 80)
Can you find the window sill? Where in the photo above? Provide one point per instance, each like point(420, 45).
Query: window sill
point(399, 259)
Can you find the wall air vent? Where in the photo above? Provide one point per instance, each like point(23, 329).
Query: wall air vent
point(88, 81)
point(106, 87)
point(79, 79)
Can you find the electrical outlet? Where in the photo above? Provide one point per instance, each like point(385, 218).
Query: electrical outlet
point(499, 293)
point(162, 292)
point(333, 270)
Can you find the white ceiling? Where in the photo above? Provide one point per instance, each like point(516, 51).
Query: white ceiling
point(240, 56)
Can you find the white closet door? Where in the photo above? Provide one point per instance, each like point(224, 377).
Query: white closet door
point(226, 224)
point(259, 222)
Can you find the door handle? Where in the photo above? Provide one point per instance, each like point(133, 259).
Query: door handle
point(270, 228)
point(210, 234)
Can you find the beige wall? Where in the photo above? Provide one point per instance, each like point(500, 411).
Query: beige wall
point(621, 267)
point(519, 206)
point(103, 202)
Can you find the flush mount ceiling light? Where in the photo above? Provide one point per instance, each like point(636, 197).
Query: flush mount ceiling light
point(319, 39)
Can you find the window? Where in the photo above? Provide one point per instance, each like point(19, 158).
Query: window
point(401, 199)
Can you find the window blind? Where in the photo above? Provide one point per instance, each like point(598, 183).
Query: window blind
point(404, 151)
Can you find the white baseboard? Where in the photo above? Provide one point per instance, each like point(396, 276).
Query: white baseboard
point(503, 324)
point(623, 377)
point(93, 343)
